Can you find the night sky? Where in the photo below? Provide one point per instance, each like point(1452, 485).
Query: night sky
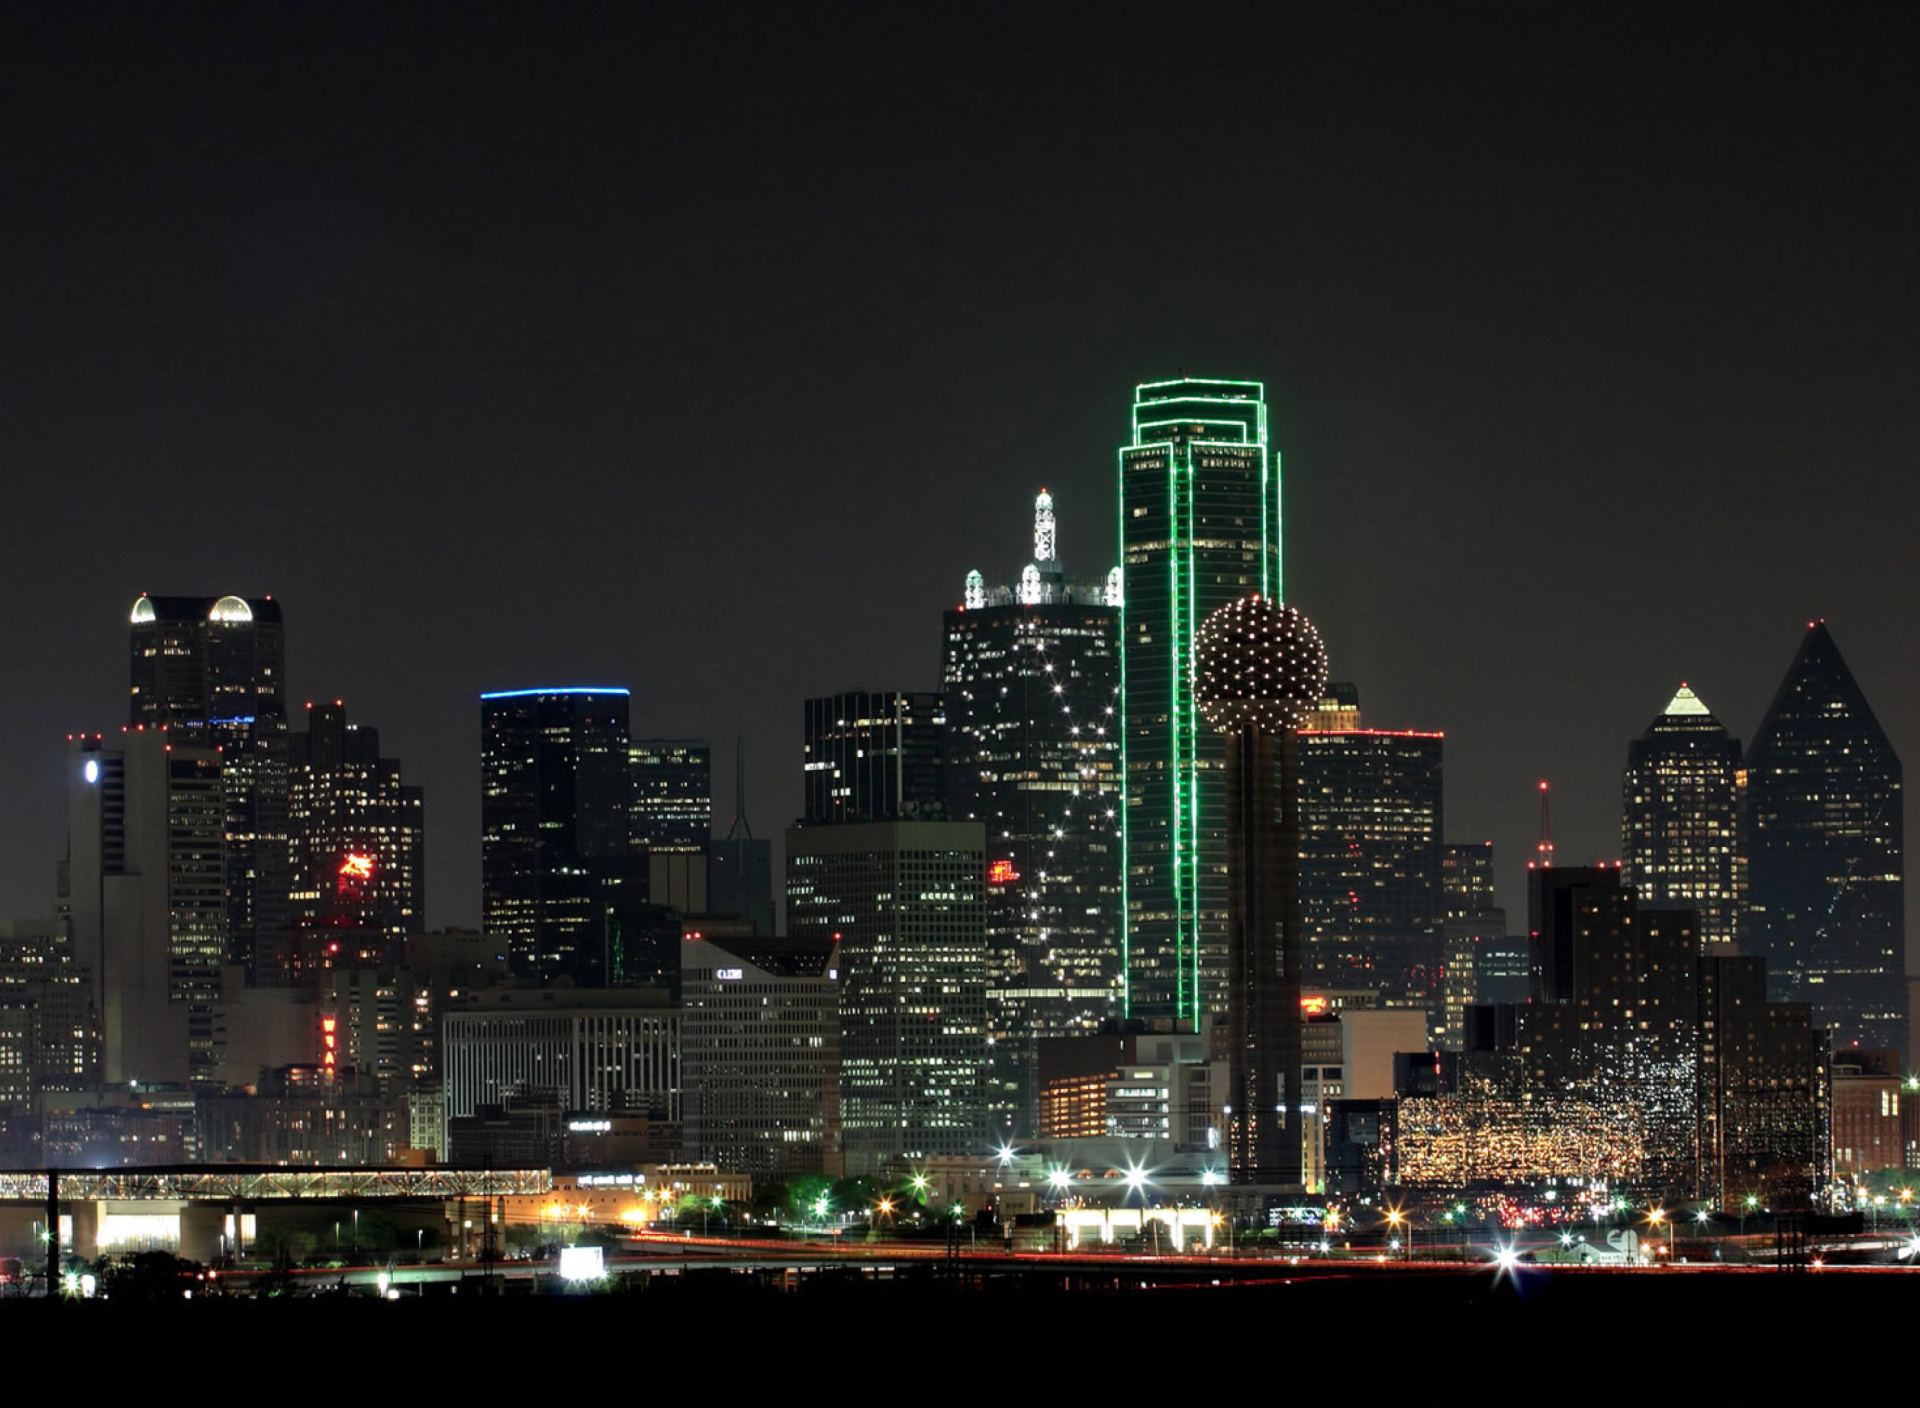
point(704, 349)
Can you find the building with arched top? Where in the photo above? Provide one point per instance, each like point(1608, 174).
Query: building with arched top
point(212, 672)
point(197, 659)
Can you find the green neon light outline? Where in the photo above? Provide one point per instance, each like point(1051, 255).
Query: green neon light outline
point(1126, 812)
point(1239, 430)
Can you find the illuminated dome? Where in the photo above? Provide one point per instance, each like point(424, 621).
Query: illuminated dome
point(1258, 664)
point(142, 611)
point(230, 608)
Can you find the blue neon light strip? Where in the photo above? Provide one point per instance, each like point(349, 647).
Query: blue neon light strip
point(558, 689)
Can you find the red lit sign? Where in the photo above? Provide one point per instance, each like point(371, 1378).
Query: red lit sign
point(1313, 1005)
point(329, 1042)
point(1001, 872)
point(357, 867)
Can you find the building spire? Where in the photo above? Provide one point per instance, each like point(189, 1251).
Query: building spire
point(741, 828)
point(1043, 528)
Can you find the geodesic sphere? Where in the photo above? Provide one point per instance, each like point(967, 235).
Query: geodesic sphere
point(1259, 663)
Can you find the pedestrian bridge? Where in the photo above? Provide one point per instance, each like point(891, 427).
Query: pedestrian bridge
point(252, 1183)
point(208, 1210)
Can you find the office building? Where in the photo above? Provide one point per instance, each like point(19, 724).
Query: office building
point(1031, 678)
point(1474, 948)
point(1199, 527)
point(49, 1031)
point(1372, 807)
point(760, 1054)
point(212, 672)
point(1868, 1136)
point(357, 831)
point(568, 1048)
point(905, 901)
point(672, 808)
point(1822, 830)
point(874, 756)
point(144, 891)
point(1765, 1113)
point(1680, 818)
point(554, 801)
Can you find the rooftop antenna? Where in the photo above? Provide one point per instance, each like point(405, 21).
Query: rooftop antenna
point(1544, 851)
point(741, 826)
point(1043, 528)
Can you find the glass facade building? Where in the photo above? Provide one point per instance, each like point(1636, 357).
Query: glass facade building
point(554, 805)
point(1031, 678)
point(672, 793)
point(1822, 829)
point(1199, 527)
point(874, 755)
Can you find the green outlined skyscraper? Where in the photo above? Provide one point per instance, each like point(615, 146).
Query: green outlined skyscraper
point(1199, 527)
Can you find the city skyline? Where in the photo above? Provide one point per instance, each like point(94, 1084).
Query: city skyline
point(1626, 379)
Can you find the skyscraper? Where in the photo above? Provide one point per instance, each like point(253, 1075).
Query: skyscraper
point(1199, 527)
point(212, 672)
point(554, 801)
point(1031, 678)
point(1680, 818)
point(144, 890)
point(874, 755)
point(672, 793)
point(905, 901)
point(1822, 831)
point(357, 832)
point(196, 659)
point(1372, 805)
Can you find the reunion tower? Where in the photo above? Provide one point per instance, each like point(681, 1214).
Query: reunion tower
point(1259, 667)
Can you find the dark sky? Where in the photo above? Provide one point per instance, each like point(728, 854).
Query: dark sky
point(704, 350)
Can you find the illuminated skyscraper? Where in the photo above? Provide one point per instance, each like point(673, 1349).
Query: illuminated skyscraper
point(1199, 527)
point(358, 833)
point(212, 672)
point(1031, 679)
point(1371, 815)
point(1822, 832)
point(905, 901)
point(554, 802)
point(672, 793)
point(1680, 819)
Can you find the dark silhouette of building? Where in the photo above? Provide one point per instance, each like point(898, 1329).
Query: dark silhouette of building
point(1258, 668)
point(874, 756)
point(1031, 678)
point(1199, 527)
point(1764, 1108)
point(1680, 817)
point(554, 802)
point(1822, 832)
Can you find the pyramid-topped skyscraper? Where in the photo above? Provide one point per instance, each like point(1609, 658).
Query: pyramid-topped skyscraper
point(1680, 817)
point(1822, 833)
